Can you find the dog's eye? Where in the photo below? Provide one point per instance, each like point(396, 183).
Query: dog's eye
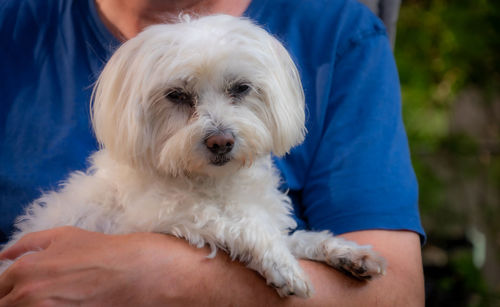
point(239, 90)
point(178, 96)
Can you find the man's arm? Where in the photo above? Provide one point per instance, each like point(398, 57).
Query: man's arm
point(388, 11)
point(402, 285)
point(87, 268)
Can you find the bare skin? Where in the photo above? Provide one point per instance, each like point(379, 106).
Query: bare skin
point(69, 266)
point(77, 267)
point(126, 19)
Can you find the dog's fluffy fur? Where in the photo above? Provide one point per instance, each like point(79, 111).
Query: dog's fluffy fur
point(162, 98)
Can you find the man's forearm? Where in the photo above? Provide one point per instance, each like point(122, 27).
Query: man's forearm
point(69, 266)
point(228, 283)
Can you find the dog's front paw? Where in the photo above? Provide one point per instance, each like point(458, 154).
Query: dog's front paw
point(288, 280)
point(360, 262)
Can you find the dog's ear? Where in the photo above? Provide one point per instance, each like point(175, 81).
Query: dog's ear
point(285, 96)
point(117, 116)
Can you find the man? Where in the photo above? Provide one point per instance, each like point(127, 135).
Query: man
point(352, 175)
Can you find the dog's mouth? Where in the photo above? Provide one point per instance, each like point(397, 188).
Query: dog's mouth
point(220, 160)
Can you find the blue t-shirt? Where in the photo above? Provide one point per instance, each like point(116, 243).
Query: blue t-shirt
point(353, 172)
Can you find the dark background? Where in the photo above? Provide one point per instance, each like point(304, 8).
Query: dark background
point(448, 54)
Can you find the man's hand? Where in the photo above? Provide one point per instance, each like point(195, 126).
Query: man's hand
point(69, 266)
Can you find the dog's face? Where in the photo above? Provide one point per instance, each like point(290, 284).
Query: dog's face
point(199, 97)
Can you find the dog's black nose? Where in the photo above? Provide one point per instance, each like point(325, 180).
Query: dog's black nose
point(220, 144)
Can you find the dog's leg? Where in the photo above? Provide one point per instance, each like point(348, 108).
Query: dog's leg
point(280, 269)
point(263, 248)
point(260, 246)
point(359, 261)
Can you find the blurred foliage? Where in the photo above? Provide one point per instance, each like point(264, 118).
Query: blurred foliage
point(443, 49)
point(443, 46)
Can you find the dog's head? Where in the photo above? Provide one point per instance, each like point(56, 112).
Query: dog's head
point(199, 96)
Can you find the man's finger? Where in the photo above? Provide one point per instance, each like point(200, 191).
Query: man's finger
point(6, 283)
point(31, 242)
point(6, 287)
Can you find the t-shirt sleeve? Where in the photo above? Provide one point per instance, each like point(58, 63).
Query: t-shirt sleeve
point(361, 175)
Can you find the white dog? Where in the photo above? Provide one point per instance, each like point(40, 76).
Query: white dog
point(187, 116)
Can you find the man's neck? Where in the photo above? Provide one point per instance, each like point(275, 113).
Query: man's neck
point(126, 18)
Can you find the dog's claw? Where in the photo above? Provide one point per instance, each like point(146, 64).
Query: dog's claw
point(288, 280)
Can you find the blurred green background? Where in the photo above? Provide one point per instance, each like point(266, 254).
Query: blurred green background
point(448, 54)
